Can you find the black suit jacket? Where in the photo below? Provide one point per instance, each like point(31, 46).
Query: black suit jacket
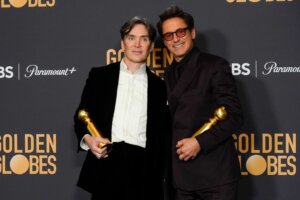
point(205, 84)
point(98, 98)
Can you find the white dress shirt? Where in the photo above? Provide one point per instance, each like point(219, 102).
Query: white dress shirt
point(130, 114)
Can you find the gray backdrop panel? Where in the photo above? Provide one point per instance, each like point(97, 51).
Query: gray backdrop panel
point(75, 35)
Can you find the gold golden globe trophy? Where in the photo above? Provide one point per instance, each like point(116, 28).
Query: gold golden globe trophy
point(84, 116)
point(219, 115)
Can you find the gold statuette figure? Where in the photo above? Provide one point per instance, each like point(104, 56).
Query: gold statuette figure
point(84, 116)
point(219, 115)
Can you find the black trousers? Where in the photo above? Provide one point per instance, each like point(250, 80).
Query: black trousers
point(126, 174)
point(222, 192)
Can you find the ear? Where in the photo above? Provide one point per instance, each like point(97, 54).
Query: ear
point(122, 44)
point(152, 46)
point(193, 33)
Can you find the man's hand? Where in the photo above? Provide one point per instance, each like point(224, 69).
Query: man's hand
point(188, 148)
point(93, 143)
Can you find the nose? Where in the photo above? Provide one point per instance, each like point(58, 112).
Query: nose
point(175, 38)
point(137, 43)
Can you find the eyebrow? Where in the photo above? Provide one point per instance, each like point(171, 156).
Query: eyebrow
point(137, 35)
point(176, 30)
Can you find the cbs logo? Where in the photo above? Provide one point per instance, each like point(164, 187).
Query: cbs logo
point(240, 69)
point(6, 72)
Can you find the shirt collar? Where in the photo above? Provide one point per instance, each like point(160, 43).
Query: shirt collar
point(124, 68)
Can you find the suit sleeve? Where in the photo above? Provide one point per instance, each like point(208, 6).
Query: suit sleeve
point(224, 92)
point(80, 127)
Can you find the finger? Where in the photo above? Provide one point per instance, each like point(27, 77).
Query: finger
point(179, 151)
point(102, 151)
point(105, 156)
point(187, 158)
point(97, 155)
point(179, 144)
point(99, 152)
point(180, 157)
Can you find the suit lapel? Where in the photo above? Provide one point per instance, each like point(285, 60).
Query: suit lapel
point(185, 79)
point(150, 94)
point(113, 85)
point(152, 105)
point(170, 79)
point(114, 80)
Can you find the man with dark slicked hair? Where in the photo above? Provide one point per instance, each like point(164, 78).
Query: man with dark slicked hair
point(204, 167)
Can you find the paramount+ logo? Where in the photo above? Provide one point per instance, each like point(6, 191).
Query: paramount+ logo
point(27, 3)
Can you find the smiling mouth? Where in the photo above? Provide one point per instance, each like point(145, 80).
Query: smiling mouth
point(177, 45)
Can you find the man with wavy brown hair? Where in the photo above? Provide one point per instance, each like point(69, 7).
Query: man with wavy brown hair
point(127, 103)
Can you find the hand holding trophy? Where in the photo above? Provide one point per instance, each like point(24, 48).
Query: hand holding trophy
point(84, 116)
point(219, 115)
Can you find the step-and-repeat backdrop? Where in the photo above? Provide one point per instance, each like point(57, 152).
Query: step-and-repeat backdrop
point(47, 48)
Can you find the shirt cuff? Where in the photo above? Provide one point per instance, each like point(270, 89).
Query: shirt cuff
point(83, 145)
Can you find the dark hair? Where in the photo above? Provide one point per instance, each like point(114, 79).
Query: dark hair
point(172, 12)
point(128, 26)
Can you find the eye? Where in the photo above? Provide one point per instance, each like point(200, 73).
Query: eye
point(168, 36)
point(130, 37)
point(180, 31)
point(145, 39)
